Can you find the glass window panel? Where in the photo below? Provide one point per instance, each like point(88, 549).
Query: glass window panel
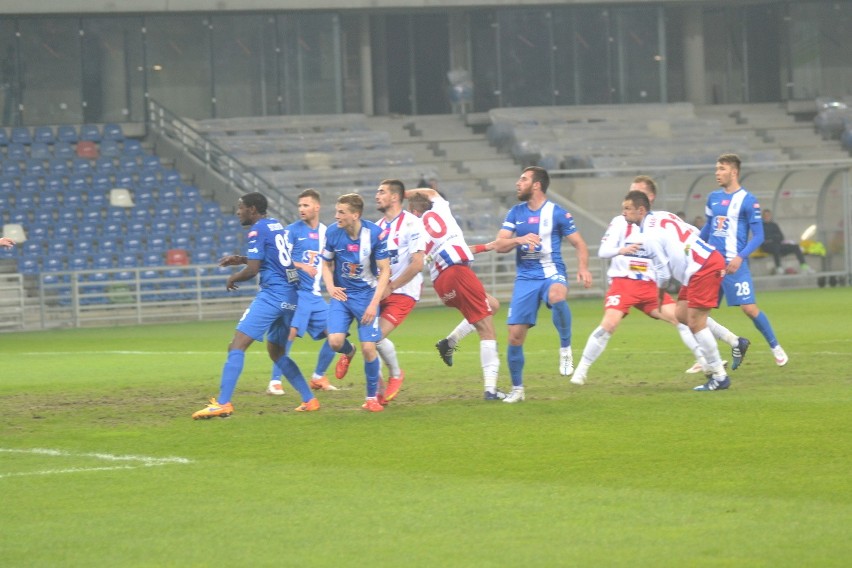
point(564, 54)
point(639, 55)
point(723, 55)
point(486, 70)
point(241, 64)
point(311, 64)
point(525, 57)
point(594, 58)
point(113, 72)
point(10, 78)
point(51, 73)
point(178, 60)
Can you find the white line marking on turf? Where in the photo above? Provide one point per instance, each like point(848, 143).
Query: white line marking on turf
point(140, 461)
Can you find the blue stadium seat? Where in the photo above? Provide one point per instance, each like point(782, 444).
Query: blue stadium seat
point(151, 162)
point(38, 231)
point(132, 147)
point(48, 201)
point(166, 195)
point(148, 180)
point(7, 184)
point(169, 176)
point(25, 200)
point(41, 151)
point(101, 182)
point(4, 136)
point(112, 131)
point(34, 166)
point(128, 260)
point(108, 245)
point(143, 197)
point(43, 135)
point(16, 151)
point(67, 134)
point(185, 226)
point(189, 192)
point(120, 214)
point(104, 165)
point(53, 264)
point(102, 261)
point(82, 246)
point(156, 244)
point(19, 217)
point(97, 198)
point(188, 209)
point(88, 230)
point(136, 227)
point(201, 256)
point(63, 150)
point(208, 224)
point(28, 265)
point(181, 241)
point(110, 149)
point(57, 247)
point(205, 240)
point(11, 168)
point(30, 183)
point(92, 214)
point(82, 166)
point(78, 262)
point(153, 259)
point(90, 133)
point(124, 179)
point(21, 135)
point(54, 182)
point(33, 247)
point(64, 229)
point(58, 166)
point(78, 182)
point(140, 213)
point(44, 215)
point(128, 163)
point(72, 199)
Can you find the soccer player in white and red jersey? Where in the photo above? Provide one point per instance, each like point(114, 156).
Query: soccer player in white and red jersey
point(455, 282)
point(534, 229)
point(405, 252)
point(678, 253)
point(632, 284)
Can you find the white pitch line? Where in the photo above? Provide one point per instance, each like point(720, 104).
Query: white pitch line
point(142, 461)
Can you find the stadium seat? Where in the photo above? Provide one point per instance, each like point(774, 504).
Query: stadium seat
point(16, 151)
point(82, 166)
point(140, 213)
point(148, 180)
point(124, 179)
point(108, 245)
point(38, 231)
point(4, 136)
point(78, 262)
point(54, 182)
point(88, 150)
point(67, 134)
point(21, 135)
point(29, 183)
point(11, 168)
point(156, 244)
point(57, 247)
point(63, 150)
point(58, 166)
point(152, 259)
point(43, 135)
point(44, 215)
point(169, 176)
point(127, 260)
point(90, 133)
point(104, 165)
point(132, 147)
point(120, 197)
point(102, 261)
point(7, 184)
point(28, 265)
point(14, 231)
point(96, 198)
point(88, 230)
point(112, 132)
point(64, 229)
point(102, 182)
point(41, 151)
point(110, 149)
point(32, 247)
point(72, 199)
point(34, 166)
point(133, 244)
point(177, 257)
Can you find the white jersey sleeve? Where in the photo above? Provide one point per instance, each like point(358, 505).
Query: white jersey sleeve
point(444, 241)
point(405, 238)
point(675, 246)
point(637, 266)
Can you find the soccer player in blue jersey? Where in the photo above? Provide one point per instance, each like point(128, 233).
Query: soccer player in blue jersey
point(356, 271)
point(534, 229)
point(307, 236)
point(732, 213)
point(270, 313)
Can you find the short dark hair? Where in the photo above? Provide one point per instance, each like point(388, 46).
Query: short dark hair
point(638, 199)
point(540, 175)
point(312, 193)
point(354, 201)
point(648, 181)
point(256, 200)
point(730, 159)
point(396, 186)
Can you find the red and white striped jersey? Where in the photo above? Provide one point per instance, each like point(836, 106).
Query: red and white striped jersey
point(444, 240)
point(675, 246)
point(405, 238)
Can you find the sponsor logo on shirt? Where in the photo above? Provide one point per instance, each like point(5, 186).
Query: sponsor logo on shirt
point(352, 248)
point(252, 234)
point(533, 219)
point(313, 235)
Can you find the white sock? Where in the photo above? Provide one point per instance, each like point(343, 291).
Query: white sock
point(461, 331)
point(490, 363)
point(689, 340)
point(595, 346)
point(710, 351)
point(387, 351)
point(721, 332)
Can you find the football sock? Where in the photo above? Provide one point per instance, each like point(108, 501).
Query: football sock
point(230, 375)
point(490, 363)
point(387, 351)
point(561, 315)
point(721, 332)
point(324, 359)
point(294, 377)
point(461, 331)
point(515, 357)
point(689, 340)
point(761, 322)
point(595, 346)
point(372, 369)
point(710, 351)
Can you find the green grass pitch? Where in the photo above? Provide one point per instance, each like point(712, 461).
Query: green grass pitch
point(101, 465)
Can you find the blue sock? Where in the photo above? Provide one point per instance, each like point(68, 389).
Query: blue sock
point(294, 377)
point(325, 357)
point(347, 347)
point(761, 322)
point(515, 357)
point(371, 369)
point(561, 314)
point(230, 375)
